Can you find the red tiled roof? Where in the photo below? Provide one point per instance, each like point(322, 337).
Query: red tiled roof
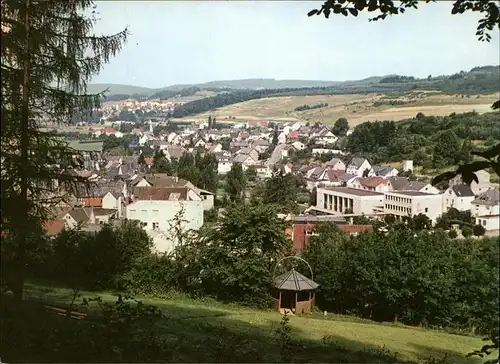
point(372, 181)
point(148, 161)
point(161, 193)
point(293, 134)
point(91, 201)
point(333, 174)
point(53, 227)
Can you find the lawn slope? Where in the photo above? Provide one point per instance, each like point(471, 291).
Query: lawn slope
point(199, 324)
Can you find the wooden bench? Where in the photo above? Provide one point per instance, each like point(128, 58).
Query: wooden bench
point(62, 312)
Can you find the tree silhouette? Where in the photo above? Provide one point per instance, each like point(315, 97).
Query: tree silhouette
point(49, 54)
point(386, 8)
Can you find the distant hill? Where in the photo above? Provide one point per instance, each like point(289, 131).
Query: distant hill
point(460, 82)
point(115, 89)
point(247, 84)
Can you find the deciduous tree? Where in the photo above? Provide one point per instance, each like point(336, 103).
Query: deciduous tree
point(340, 127)
point(236, 183)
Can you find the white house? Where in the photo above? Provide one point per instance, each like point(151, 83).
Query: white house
point(260, 145)
point(160, 209)
point(322, 176)
point(199, 143)
point(113, 201)
point(376, 184)
point(298, 145)
point(489, 222)
point(404, 184)
point(336, 164)
point(143, 140)
point(320, 151)
point(224, 165)
point(384, 171)
point(245, 160)
point(252, 152)
point(407, 165)
point(324, 137)
point(338, 200)
point(174, 138)
point(263, 171)
point(459, 197)
point(487, 203)
point(477, 188)
point(88, 215)
point(214, 148)
point(357, 166)
point(411, 203)
point(282, 137)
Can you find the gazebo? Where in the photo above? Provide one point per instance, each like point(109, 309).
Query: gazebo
point(295, 292)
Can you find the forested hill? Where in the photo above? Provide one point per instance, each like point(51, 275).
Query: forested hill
point(479, 80)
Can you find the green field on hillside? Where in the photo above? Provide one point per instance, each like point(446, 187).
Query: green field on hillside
point(200, 329)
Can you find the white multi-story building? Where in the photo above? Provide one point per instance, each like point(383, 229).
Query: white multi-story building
point(338, 200)
point(159, 209)
point(411, 203)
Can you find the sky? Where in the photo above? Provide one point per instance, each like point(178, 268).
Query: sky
point(196, 41)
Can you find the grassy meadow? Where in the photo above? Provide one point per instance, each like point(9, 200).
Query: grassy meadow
point(200, 328)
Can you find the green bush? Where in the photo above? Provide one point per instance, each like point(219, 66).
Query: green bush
point(467, 231)
point(479, 230)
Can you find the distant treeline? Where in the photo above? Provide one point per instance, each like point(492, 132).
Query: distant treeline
point(397, 79)
point(310, 107)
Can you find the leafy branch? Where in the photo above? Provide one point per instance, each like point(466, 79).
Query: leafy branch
point(490, 9)
point(467, 171)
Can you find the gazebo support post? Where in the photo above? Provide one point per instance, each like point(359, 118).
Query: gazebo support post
point(279, 301)
point(296, 300)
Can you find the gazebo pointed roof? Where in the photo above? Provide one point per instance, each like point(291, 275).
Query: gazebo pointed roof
point(294, 281)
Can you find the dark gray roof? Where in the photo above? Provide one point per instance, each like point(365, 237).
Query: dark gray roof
point(240, 158)
point(403, 184)
point(357, 162)
point(462, 190)
point(490, 197)
point(346, 177)
point(318, 171)
point(260, 142)
point(294, 281)
point(382, 170)
point(79, 215)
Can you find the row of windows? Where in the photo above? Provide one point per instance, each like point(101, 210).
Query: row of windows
point(398, 199)
point(406, 210)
